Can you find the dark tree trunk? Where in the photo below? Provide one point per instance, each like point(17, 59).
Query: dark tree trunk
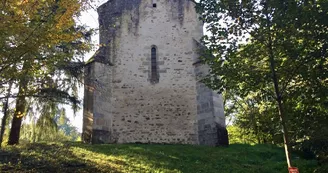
point(5, 114)
point(18, 115)
point(17, 121)
point(4, 120)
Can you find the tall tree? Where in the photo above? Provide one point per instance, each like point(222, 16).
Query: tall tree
point(5, 113)
point(274, 47)
point(38, 40)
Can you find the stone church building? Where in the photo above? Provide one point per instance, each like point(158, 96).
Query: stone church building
point(142, 86)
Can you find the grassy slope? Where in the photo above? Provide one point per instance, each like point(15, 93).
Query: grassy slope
point(77, 157)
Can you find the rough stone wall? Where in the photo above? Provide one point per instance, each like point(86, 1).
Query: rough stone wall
point(97, 107)
point(219, 120)
point(102, 112)
point(205, 109)
point(128, 107)
point(211, 119)
point(164, 112)
point(206, 126)
point(88, 105)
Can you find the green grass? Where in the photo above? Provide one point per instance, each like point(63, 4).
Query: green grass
point(77, 157)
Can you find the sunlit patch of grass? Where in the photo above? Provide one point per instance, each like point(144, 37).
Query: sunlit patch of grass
point(128, 158)
point(119, 158)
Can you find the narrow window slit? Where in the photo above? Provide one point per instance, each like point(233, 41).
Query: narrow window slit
point(154, 74)
point(154, 5)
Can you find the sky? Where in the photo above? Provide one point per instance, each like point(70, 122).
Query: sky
point(90, 19)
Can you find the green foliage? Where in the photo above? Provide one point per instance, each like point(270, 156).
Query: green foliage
point(238, 135)
point(42, 50)
point(271, 54)
point(39, 37)
point(51, 125)
point(77, 157)
point(254, 119)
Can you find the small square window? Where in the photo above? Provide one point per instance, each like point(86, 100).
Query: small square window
point(154, 5)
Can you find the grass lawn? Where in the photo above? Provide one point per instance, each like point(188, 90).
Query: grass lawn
point(78, 157)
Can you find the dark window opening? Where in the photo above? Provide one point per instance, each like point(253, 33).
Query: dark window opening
point(154, 74)
point(154, 5)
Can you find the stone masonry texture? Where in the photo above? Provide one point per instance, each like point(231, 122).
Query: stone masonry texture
point(123, 105)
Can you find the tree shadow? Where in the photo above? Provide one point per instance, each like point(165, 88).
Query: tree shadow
point(141, 157)
point(44, 158)
point(162, 158)
point(188, 158)
point(78, 157)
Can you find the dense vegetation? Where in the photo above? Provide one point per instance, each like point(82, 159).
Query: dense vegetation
point(269, 58)
point(41, 59)
point(77, 157)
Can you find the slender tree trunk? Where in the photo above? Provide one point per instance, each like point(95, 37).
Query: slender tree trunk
point(18, 115)
point(285, 132)
point(279, 100)
point(5, 114)
point(33, 131)
point(278, 93)
point(4, 120)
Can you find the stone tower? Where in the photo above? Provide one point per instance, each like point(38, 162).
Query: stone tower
point(142, 86)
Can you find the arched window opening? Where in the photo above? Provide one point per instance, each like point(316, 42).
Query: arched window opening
point(154, 71)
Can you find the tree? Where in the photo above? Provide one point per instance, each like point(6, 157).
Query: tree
point(277, 48)
point(5, 113)
point(38, 41)
point(253, 119)
point(48, 123)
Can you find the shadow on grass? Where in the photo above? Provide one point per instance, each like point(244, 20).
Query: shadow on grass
point(78, 157)
point(186, 158)
point(43, 158)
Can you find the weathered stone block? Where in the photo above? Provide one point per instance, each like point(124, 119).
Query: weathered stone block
point(100, 136)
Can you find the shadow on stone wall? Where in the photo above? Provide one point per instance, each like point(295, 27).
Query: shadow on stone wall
point(222, 133)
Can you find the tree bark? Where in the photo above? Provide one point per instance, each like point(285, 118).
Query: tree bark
point(18, 115)
point(5, 114)
point(33, 131)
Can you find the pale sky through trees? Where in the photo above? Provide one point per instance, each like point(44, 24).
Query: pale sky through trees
point(90, 19)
